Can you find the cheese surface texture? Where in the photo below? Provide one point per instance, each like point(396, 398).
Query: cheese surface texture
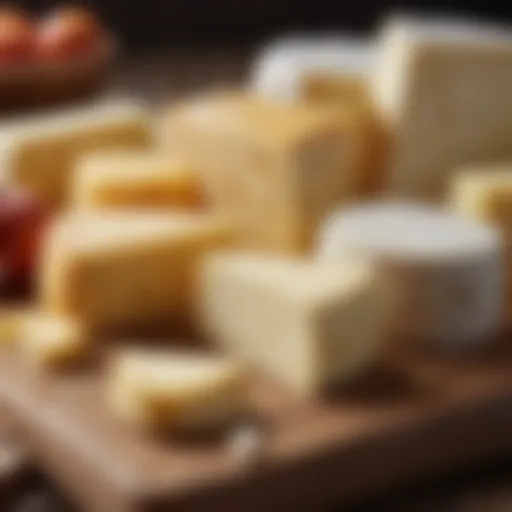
point(176, 390)
point(447, 272)
point(123, 269)
point(443, 86)
point(39, 154)
point(283, 68)
point(309, 326)
point(278, 169)
point(135, 179)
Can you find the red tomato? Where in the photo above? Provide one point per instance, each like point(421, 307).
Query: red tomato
point(17, 36)
point(22, 218)
point(67, 33)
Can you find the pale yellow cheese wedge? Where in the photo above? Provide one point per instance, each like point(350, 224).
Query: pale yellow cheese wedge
point(309, 325)
point(176, 390)
point(126, 268)
point(277, 168)
point(39, 153)
point(147, 179)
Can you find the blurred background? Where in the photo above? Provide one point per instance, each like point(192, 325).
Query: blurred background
point(152, 23)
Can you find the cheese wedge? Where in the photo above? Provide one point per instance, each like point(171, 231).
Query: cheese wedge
point(118, 179)
point(446, 272)
point(277, 169)
point(39, 153)
point(178, 391)
point(50, 341)
point(443, 86)
point(308, 325)
point(124, 269)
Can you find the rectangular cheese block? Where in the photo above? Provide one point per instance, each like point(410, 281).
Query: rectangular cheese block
point(178, 391)
point(117, 179)
point(277, 168)
point(353, 96)
point(444, 87)
point(310, 325)
point(51, 341)
point(39, 153)
point(123, 269)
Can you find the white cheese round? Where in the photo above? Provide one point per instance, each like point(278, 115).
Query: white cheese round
point(279, 67)
point(448, 272)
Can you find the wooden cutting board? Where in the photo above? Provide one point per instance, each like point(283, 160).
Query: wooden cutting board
point(416, 415)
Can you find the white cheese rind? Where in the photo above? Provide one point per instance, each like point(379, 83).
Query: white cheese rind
point(280, 66)
point(309, 326)
point(448, 272)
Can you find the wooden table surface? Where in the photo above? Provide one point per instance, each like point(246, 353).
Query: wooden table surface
point(166, 75)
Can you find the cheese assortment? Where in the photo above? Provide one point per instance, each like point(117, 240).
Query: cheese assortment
point(39, 153)
point(117, 179)
point(243, 215)
point(448, 272)
point(277, 168)
point(123, 269)
point(443, 85)
point(177, 391)
point(309, 325)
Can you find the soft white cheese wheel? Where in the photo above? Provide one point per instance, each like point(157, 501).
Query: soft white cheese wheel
point(448, 272)
point(279, 67)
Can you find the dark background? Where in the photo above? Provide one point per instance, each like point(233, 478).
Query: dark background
point(150, 23)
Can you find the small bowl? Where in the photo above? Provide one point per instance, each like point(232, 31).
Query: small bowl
point(43, 84)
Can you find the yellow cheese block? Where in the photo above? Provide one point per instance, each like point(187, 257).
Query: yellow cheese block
point(310, 325)
point(39, 153)
point(51, 341)
point(278, 168)
point(484, 193)
point(352, 94)
point(122, 269)
point(176, 390)
point(134, 178)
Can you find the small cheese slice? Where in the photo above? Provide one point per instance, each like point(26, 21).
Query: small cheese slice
point(51, 341)
point(287, 65)
point(120, 269)
point(276, 168)
point(181, 391)
point(117, 179)
point(443, 85)
point(39, 153)
point(311, 326)
point(446, 271)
